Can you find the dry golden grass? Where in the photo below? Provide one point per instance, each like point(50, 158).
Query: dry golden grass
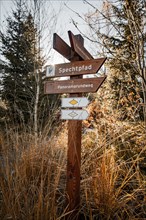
point(114, 165)
point(30, 179)
point(33, 174)
point(114, 189)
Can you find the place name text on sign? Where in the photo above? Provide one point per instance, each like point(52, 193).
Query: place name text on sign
point(75, 69)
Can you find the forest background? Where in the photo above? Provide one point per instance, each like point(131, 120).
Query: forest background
point(33, 139)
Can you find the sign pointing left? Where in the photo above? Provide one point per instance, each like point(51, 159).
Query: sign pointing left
point(62, 47)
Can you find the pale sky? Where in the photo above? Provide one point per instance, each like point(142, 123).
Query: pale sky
point(63, 19)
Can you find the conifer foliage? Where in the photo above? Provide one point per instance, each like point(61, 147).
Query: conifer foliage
point(127, 45)
point(18, 47)
point(119, 29)
point(22, 83)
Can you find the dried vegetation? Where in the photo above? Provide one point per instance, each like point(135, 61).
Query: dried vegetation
point(113, 173)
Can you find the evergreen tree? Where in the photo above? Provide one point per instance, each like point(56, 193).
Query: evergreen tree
point(122, 36)
point(18, 47)
point(22, 85)
point(126, 76)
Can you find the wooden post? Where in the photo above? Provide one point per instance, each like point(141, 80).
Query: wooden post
point(73, 168)
point(74, 156)
point(76, 52)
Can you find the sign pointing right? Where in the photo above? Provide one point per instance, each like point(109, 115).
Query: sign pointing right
point(73, 86)
point(74, 102)
point(74, 114)
point(75, 68)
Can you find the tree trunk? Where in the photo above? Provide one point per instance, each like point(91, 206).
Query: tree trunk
point(37, 78)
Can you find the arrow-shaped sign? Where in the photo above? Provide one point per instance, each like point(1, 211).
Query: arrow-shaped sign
point(74, 114)
point(74, 102)
point(75, 68)
point(73, 86)
point(62, 47)
point(78, 47)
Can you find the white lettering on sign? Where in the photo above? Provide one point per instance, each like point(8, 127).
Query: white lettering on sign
point(75, 69)
point(75, 86)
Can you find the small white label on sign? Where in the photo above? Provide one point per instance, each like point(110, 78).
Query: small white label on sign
point(74, 102)
point(50, 71)
point(74, 114)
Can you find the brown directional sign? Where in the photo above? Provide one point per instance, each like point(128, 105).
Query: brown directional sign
point(73, 86)
point(75, 68)
point(78, 47)
point(62, 47)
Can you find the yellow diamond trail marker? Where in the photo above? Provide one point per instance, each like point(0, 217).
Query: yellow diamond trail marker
point(74, 102)
point(74, 114)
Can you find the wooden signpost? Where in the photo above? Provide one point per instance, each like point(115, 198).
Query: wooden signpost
point(62, 47)
point(75, 68)
point(78, 47)
point(82, 63)
point(73, 85)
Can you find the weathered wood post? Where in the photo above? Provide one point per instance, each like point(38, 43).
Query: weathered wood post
point(74, 159)
point(81, 63)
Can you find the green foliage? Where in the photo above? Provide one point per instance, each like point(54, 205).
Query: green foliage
point(18, 47)
point(22, 85)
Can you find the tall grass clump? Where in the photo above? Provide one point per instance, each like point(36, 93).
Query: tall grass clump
point(30, 177)
point(113, 169)
point(113, 179)
point(114, 189)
